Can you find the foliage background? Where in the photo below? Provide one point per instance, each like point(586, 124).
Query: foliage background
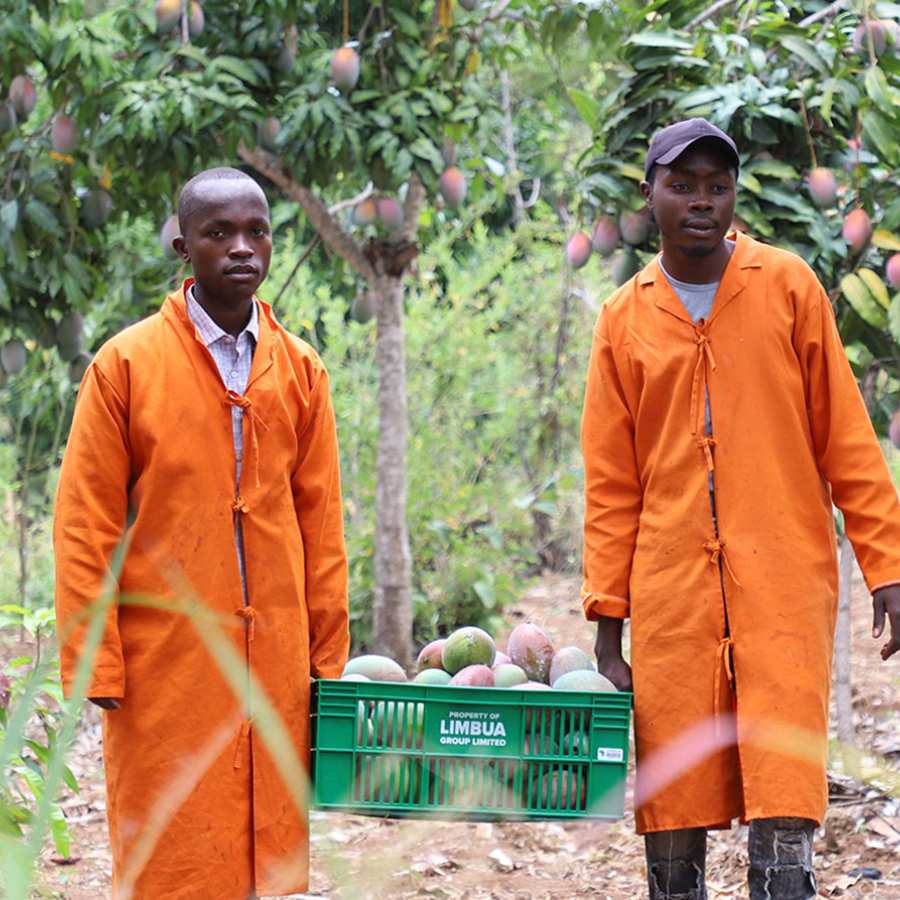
point(498, 329)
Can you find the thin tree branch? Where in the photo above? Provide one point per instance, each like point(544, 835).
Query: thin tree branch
point(360, 37)
point(535, 192)
point(302, 259)
point(824, 13)
point(349, 203)
point(512, 162)
point(808, 132)
point(707, 13)
point(333, 210)
point(412, 208)
point(333, 236)
point(495, 14)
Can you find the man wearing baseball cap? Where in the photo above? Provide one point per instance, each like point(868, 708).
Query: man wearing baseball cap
point(721, 421)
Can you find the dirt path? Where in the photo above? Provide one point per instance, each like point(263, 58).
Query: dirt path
point(356, 857)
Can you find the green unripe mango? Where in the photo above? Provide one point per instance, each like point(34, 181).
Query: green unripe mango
point(467, 646)
point(96, 207)
point(13, 357)
point(625, 265)
point(375, 667)
point(7, 117)
point(78, 366)
point(433, 676)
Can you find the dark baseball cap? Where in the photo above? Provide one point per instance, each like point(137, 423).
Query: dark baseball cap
point(670, 142)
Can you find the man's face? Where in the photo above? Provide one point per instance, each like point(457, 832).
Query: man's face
point(692, 199)
point(228, 240)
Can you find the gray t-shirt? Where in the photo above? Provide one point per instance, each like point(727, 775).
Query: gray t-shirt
point(697, 298)
point(698, 301)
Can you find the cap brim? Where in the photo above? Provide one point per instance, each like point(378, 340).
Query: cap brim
point(673, 154)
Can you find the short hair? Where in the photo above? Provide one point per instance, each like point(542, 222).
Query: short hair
point(190, 197)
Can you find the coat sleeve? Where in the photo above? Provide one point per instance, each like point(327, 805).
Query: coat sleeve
point(316, 485)
point(89, 523)
point(613, 493)
point(846, 447)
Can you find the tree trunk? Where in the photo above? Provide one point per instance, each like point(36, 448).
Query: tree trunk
point(509, 146)
point(382, 263)
point(392, 626)
point(22, 547)
point(843, 701)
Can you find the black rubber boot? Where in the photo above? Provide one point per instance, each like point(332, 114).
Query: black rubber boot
point(781, 859)
point(676, 864)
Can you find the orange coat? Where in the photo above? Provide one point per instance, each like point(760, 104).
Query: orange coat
point(791, 435)
point(151, 445)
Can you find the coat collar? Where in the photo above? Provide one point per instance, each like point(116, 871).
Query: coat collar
point(175, 310)
point(734, 279)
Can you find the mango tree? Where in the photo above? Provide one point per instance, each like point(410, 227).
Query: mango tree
point(109, 106)
point(811, 95)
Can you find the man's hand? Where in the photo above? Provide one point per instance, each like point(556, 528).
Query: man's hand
point(105, 702)
point(886, 603)
point(608, 650)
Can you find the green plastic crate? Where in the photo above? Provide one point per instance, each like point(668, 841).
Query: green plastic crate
point(478, 754)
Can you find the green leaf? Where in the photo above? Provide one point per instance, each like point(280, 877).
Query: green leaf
point(424, 149)
point(485, 592)
point(407, 23)
point(885, 240)
point(880, 134)
point(859, 297)
point(828, 100)
point(879, 91)
point(894, 318)
point(363, 96)
point(9, 215)
point(787, 200)
point(635, 173)
point(666, 39)
point(876, 286)
point(806, 51)
point(381, 139)
point(783, 113)
point(773, 167)
point(43, 217)
point(701, 97)
point(588, 108)
point(237, 67)
point(194, 53)
point(70, 780)
point(751, 182)
point(59, 829)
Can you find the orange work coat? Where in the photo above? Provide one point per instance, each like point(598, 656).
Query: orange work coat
point(741, 620)
point(195, 802)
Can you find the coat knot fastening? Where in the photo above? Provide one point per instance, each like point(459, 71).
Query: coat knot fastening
point(248, 614)
point(704, 357)
point(706, 443)
point(716, 550)
point(724, 664)
point(233, 398)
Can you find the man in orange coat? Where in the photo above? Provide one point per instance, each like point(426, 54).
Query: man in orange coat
point(721, 421)
point(204, 446)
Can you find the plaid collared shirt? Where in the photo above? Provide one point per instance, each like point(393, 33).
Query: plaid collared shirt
point(233, 357)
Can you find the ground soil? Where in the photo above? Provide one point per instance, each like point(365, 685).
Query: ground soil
point(360, 857)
